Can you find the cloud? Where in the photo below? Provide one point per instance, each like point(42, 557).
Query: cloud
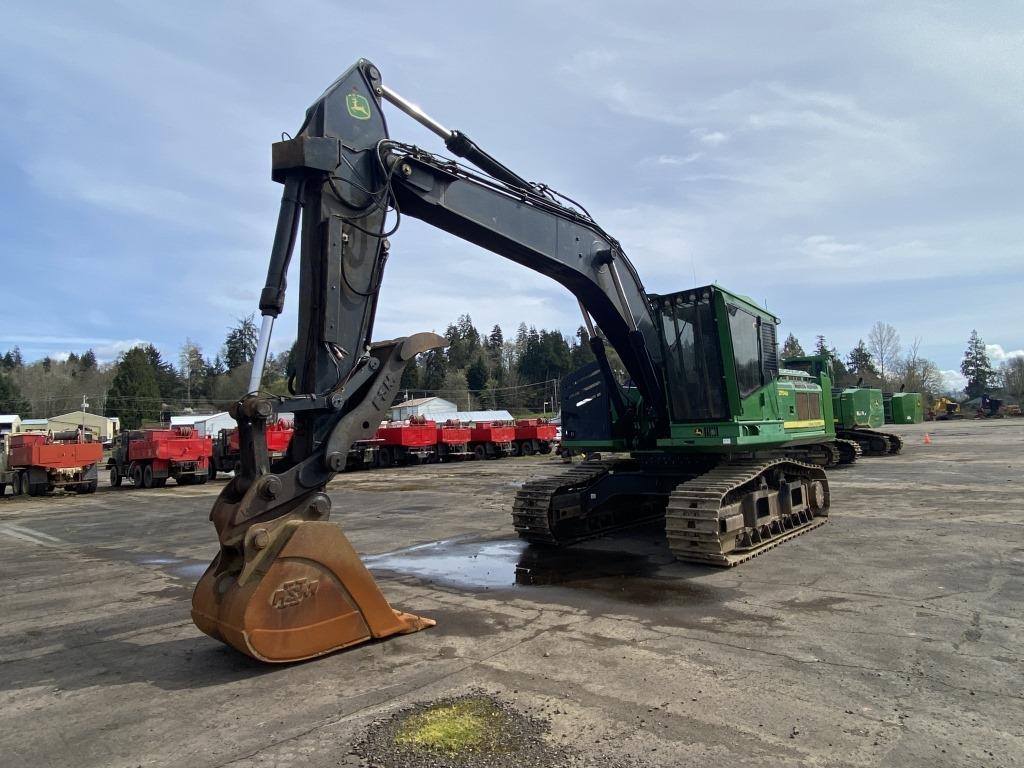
point(953, 381)
point(711, 138)
point(998, 355)
point(678, 159)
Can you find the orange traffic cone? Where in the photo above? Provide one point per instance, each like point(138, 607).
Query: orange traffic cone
point(927, 439)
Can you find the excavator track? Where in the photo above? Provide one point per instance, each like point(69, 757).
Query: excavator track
point(849, 451)
point(740, 509)
point(822, 454)
point(554, 510)
point(872, 442)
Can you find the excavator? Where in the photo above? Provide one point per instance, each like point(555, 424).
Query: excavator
point(706, 432)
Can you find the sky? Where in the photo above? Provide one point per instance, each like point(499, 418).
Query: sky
point(842, 163)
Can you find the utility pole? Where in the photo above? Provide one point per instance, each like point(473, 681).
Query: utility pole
point(85, 405)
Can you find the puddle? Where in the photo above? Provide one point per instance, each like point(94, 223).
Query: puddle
point(637, 568)
point(455, 563)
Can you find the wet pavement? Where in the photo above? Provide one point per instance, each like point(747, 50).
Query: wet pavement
point(891, 636)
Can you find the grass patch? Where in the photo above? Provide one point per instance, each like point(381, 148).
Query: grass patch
point(469, 724)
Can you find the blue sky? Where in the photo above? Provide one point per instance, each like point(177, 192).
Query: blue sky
point(842, 162)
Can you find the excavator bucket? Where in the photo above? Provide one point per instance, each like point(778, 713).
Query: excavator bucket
point(304, 593)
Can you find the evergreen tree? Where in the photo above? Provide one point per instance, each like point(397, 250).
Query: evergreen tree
point(7, 361)
point(860, 363)
point(240, 343)
point(495, 340)
point(791, 348)
point(477, 374)
point(134, 395)
point(410, 377)
point(977, 367)
point(581, 353)
point(11, 400)
point(88, 360)
point(435, 369)
point(455, 352)
point(170, 386)
point(821, 347)
point(215, 367)
point(840, 375)
point(521, 336)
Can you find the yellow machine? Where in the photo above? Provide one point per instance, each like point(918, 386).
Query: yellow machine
point(944, 409)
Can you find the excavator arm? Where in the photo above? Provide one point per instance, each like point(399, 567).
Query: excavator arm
point(287, 584)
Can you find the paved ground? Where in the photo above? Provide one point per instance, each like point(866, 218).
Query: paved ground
point(892, 636)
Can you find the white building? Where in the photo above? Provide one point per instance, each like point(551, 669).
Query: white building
point(472, 417)
point(205, 424)
point(431, 407)
point(10, 423)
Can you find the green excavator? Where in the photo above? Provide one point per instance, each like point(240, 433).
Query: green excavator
point(706, 430)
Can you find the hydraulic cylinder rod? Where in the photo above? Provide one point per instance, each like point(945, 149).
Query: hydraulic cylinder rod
point(457, 142)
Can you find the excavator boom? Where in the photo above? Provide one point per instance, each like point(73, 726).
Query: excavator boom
point(287, 584)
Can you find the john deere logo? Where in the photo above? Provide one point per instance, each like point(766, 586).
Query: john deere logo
point(358, 106)
point(698, 432)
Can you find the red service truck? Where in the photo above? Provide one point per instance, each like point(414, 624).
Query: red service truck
point(39, 462)
point(406, 442)
point(492, 439)
point(225, 455)
point(533, 436)
point(453, 441)
point(149, 457)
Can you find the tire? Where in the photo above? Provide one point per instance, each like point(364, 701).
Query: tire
point(479, 452)
point(136, 475)
point(16, 487)
point(201, 479)
point(384, 457)
point(545, 448)
point(413, 459)
point(91, 486)
point(147, 476)
point(3, 488)
point(211, 470)
point(185, 480)
point(529, 448)
point(115, 477)
point(517, 448)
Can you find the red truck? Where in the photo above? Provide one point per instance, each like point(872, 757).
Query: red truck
point(492, 439)
point(148, 457)
point(406, 442)
point(38, 462)
point(453, 441)
point(533, 436)
point(225, 447)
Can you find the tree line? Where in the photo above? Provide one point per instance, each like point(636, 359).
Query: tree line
point(884, 363)
point(476, 370)
point(142, 386)
point(521, 373)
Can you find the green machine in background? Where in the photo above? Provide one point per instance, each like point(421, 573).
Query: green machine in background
point(858, 408)
point(903, 407)
point(857, 411)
